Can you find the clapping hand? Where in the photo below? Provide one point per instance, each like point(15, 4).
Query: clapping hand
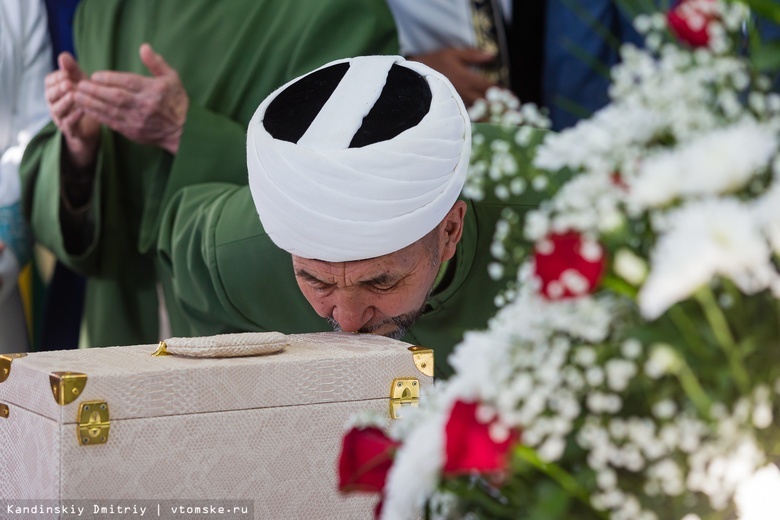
point(147, 110)
point(81, 131)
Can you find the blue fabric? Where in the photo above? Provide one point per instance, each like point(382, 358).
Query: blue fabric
point(582, 42)
point(14, 232)
point(61, 14)
point(769, 32)
point(63, 301)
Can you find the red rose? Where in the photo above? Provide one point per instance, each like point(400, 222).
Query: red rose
point(690, 20)
point(366, 457)
point(469, 447)
point(568, 266)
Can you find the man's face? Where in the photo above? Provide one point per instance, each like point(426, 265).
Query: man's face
point(382, 295)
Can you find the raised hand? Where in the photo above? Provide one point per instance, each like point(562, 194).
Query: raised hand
point(81, 131)
point(458, 65)
point(147, 110)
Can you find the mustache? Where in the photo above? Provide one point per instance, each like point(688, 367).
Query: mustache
point(402, 324)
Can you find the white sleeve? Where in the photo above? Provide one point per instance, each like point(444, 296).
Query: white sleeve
point(428, 25)
point(31, 53)
point(25, 59)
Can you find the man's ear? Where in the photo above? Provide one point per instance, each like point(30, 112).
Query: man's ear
point(451, 230)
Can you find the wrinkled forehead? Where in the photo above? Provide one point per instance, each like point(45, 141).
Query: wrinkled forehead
point(393, 264)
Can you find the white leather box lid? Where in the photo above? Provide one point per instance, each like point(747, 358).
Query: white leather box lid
point(314, 368)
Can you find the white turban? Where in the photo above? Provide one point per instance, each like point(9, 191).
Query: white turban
point(319, 198)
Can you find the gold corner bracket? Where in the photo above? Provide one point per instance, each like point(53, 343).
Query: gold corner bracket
point(5, 364)
point(162, 350)
point(405, 391)
point(93, 423)
point(67, 386)
point(4, 411)
point(423, 359)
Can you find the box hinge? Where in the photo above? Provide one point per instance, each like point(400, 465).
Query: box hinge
point(404, 392)
point(93, 423)
point(423, 359)
point(5, 364)
point(67, 386)
point(4, 411)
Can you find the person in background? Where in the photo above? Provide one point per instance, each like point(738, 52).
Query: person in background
point(581, 43)
point(465, 40)
point(25, 56)
point(159, 99)
point(553, 53)
point(59, 300)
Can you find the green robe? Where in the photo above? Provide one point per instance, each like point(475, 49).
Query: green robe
point(227, 275)
point(230, 55)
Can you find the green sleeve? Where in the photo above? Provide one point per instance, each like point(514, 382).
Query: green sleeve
point(213, 146)
point(40, 172)
point(223, 272)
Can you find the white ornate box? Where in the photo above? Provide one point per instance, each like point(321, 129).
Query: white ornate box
point(118, 425)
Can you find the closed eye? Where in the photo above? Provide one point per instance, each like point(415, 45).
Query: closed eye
point(382, 288)
point(321, 287)
point(381, 283)
point(315, 283)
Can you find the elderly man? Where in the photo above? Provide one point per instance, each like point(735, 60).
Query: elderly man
point(356, 172)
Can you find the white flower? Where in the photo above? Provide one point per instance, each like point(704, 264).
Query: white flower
point(664, 409)
point(595, 144)
point(619, 373)
point(631, 348)
point(552, 449)
point(606, 479)
point(663, 359)
point(704, 239)
point(762, 416)
point(767, 211)
point(585, 356)
point(717, 162)
point(719, 468)
point(758, 498)
point(669, 476)
point(630, 267)
point(415, 470)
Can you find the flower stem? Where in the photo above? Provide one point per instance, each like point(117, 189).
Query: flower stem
point(693, 388)
point(720, 327)
point(687, 328)
point(558, 474)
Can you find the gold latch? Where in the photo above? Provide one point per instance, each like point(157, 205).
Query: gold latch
point(67, 386)
point(4, 412)
point(5, 364)
point(93, 422)
point(423, 359)
point(404, 392)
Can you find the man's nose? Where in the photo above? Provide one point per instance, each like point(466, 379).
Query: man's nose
point(351, 313)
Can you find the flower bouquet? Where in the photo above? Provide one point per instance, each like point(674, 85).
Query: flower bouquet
point(633, 370)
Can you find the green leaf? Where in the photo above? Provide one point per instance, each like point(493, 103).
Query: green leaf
point(552, 504)
point(566, 481)
point(766, 57)
point(766, 8)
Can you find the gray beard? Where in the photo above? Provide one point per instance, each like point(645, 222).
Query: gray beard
point(403, 323)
